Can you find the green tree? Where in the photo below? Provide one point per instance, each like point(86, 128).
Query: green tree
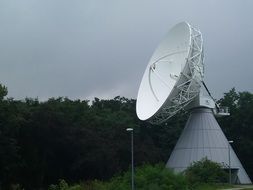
point(3, 91)
point(239, 125)
point(41, 142)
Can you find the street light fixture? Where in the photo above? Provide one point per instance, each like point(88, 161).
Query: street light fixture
point(229, 162)
point(132, 153)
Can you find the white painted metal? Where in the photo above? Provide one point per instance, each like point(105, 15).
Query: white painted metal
point(173, 76)
point(201, 101)
point(222, 111)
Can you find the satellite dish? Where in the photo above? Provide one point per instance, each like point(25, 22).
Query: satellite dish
point(173, 80)
point(173, 76)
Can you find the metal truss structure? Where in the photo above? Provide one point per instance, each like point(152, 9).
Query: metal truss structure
point(188, 83)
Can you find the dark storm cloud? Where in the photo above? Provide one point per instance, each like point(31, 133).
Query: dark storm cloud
point(83, 49)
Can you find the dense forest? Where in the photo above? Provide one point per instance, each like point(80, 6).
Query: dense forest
point(75, 140)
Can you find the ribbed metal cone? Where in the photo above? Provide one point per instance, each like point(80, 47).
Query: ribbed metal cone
point(202, 137)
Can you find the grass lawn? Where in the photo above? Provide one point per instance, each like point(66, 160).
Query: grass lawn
point(221, 187)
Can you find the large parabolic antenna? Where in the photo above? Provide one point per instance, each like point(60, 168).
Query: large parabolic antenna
point(173, 76)
point(173, 80)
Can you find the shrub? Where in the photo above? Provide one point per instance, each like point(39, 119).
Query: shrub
point(205, 171)
point(148, 177)
point(63, 185)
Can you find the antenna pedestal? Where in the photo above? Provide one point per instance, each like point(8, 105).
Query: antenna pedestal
point(203, 137)
point(201, 101)
point(208, 102)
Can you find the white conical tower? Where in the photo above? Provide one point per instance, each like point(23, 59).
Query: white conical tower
point(202, 137)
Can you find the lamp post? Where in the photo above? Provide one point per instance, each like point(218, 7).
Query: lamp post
point(229, 162)
point(132, 153)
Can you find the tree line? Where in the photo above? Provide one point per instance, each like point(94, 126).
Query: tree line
point(78, 140)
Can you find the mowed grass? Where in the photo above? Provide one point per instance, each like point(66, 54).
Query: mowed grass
point(248, 187)
point(221, 187)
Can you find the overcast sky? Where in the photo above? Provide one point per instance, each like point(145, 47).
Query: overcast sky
point(90, 48)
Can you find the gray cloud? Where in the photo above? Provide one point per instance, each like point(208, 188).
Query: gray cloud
point(83, 49)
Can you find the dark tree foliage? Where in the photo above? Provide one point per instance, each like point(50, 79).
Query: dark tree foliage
point(239, 125)
point(42, 142)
